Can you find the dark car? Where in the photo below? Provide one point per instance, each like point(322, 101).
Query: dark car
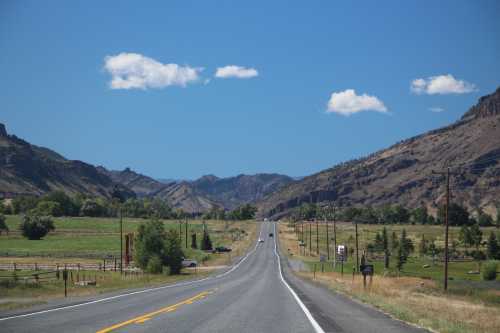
point(271, 234)
point(222, 249)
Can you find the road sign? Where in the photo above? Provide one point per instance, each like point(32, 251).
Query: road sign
point(342, 253)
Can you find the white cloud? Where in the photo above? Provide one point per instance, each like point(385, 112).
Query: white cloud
point(132, 70)
point(236, 72)
point(347, 102)
point(436, 109)
point(441, 84)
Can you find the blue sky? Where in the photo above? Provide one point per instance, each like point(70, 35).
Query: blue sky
point(58, 60)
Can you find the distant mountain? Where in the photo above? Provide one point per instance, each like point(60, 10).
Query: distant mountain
point(204, 193)
point(232, 192)
point(403, 173)
point(142, 185)
point(32, 170)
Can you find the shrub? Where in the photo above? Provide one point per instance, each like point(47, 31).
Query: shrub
point(173, 252)
point(490, 271)
point(35, 227)
point(155, 265)
point(3, 225)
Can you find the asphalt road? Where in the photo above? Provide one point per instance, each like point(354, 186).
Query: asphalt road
point(258, 294)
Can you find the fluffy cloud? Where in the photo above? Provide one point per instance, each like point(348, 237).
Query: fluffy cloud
point(347, 102)
point(441, 84)
point(436, 109)
point(233, 71)
point(132, 70)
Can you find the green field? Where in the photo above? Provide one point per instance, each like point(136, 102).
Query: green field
point(85, 237)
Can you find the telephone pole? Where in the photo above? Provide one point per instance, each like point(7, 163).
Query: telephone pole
point(186, 233)
point(446, 214)
point(357, 253)
point(446, 225)
point(334, 238)
point(310, 237)
point(317, 236)
point(327, 237)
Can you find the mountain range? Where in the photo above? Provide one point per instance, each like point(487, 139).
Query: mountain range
point(403, 173)
point(408, 172)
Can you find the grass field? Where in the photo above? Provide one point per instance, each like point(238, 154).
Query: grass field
point(415, 294)
point(96, 238)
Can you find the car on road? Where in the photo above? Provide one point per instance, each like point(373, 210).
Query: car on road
point(220, 249)
point(271, 234)
point(189, 263)
point(261, 240)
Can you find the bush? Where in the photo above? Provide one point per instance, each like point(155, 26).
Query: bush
point(490, 271)
point(35, 227)
point(155, 265)
point(3, 225)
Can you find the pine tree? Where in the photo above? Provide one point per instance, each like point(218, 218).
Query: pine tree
point(423, 246)
point(401, 257)
point(394, 241)
point(206, 243)
point(194, 243)
point(493, 248)
point(385, 240)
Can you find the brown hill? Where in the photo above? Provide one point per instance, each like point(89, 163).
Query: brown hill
point(32, 170)
point(403, 173)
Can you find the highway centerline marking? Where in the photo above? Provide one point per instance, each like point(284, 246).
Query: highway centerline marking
point(147, 316)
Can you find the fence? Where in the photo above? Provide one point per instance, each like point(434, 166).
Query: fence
point(105, 265)
point(27, 277)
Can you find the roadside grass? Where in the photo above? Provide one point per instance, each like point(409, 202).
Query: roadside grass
point(415, 295)
point(20, 294)
point(96, 238)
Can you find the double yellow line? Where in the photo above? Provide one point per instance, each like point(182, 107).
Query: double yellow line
point(148, 316)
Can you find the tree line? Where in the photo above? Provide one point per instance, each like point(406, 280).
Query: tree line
point(398, 214)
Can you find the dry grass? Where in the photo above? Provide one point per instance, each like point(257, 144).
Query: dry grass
point(411, 299)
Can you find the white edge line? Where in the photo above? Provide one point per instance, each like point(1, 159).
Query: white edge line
point(306, 311)
point(137, 292)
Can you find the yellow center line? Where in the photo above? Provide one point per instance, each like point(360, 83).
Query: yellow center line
point(148, 316)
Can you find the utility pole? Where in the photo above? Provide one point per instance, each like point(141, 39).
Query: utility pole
point(310, 238)
point(357, 253)
point(180, 231)
point(327, 237)
point(302, 236)
point(186, 233)
point(334, 238)
point(446, 228)
point(317, 236)
point(446, 212)
point(121, 239)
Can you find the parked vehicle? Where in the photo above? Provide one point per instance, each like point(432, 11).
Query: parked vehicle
point(189, 263)
point(261, 240)
point(271, 234)
point(222, 249)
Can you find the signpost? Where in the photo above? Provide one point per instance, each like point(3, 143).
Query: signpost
point(366, 270)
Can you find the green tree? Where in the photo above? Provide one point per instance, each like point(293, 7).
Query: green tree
point(3, 225)
point(493, 247)
point(194, 243)
point(385, 240)
point(173, 252)
point(394, 241)
point(23, 204)
point(420, 215)
point(35, 227)
point(490, 271)
point(92, 208)
point(423, 246)
point(406, 243)
point(149, 242)
point(48, 208)
point(457, 215)
point(206, 243)
point(465, 236)
point(401, 258)
point(155, 264)
point(67, 205)
point(484, 220)
point(476, 235)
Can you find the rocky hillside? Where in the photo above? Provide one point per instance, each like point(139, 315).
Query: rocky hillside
point(32, 170)
point(403, 173)
point(204, 193)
